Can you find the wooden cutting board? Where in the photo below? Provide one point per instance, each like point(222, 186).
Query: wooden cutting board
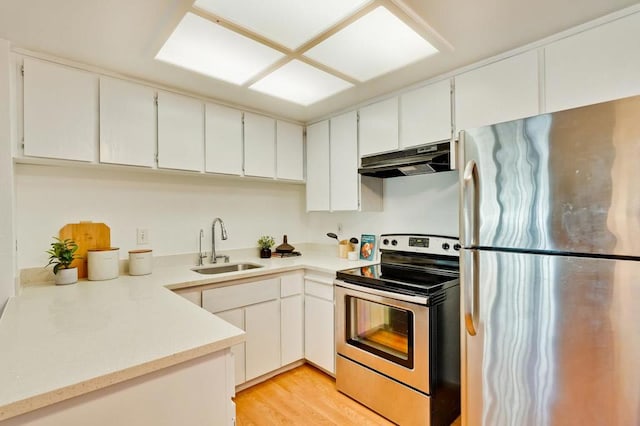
point(88, 235)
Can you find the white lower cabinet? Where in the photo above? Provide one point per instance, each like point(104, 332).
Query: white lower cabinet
point(292, 318)
point(254, 307)
point(287, 319)
point(194, 392)
point(262, 324)
point(236, 317)
point(319, 333)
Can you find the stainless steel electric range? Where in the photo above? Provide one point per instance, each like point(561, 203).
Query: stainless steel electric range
point(398, 330)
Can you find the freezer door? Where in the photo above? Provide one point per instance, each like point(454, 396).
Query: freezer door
point(555, 340)
point(565, 181)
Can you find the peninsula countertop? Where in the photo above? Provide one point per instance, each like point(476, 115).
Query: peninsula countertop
point(59, 342)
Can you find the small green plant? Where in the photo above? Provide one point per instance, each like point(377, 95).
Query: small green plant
point(61, 254)
point(266, 242)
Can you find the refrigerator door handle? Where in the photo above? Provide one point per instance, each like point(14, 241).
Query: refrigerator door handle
point(470, 205)
point(469, 260)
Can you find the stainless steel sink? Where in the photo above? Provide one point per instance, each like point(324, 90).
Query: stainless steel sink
point(226, 267)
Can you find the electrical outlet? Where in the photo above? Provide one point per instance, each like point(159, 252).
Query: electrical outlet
point(142, 236)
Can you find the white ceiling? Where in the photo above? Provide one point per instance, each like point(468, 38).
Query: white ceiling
point(125, 35)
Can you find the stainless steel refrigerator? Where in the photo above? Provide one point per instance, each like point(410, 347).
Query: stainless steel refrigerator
point(550, 228)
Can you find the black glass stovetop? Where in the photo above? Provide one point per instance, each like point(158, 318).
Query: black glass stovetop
point(407, 275)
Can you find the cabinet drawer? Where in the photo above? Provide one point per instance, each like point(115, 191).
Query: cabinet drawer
point(322, 291)
point(290, 285)
point(235, 296)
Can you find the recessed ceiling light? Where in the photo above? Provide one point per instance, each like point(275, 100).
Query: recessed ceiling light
point(200, 45)
point(289, 23)
point(375, 44)
point(301, 83)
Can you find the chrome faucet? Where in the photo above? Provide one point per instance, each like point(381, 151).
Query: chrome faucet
point(201, 255)
point(214, 257)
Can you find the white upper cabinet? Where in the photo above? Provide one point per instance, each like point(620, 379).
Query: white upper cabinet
point(344, 162)
point(425, 114)
point(501, 91)
point(594, 66)
point(223, 140)
point(379, 127)
point(180, 132)
point(318, 167)
point(290, 151)
point(259, 145)
point(127, 123)
point(60, 112)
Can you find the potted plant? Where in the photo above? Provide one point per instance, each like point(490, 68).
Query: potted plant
point(61, 255)
point(265, 243)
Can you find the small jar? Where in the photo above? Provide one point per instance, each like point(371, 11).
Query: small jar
point(140, 262)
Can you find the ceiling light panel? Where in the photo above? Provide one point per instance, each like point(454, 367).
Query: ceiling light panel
point(290, 23)
point(375, 44)
point(301, 83)
point(200, 45)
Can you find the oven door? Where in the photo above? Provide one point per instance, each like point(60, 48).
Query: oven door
point(382, 332)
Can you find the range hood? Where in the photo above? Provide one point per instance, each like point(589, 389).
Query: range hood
point(431, 158)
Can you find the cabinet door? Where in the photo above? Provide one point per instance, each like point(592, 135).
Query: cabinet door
point(344, 162)
point(425, 114)
point(319, 340)
point(236, 317)
point(379, 127)
point(292, 328)
point(127, 123)
point(318, 167)
point(290, 152)
point(502, 91)
point(223, 140)
point(263, 338)
point(259, 145)
point(593, 66)
point(180, 132)
point(60, 112)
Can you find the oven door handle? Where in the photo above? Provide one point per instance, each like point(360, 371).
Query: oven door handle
point(420, 300)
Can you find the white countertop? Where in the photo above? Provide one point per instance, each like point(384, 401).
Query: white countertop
point(63, 341)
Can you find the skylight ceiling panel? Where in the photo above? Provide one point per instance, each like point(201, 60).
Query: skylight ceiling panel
point(289, 23)
point(375, 44)
point(200, 45)
point(301, 83)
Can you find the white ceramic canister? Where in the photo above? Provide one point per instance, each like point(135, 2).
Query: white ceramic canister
point(103, 264)
point(140, 262)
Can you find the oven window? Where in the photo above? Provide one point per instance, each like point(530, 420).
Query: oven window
point(380, 329)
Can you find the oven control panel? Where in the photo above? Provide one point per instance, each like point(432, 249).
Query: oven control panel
point(416, 243)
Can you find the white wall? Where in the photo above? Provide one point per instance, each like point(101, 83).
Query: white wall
point(172, 207)
point(7, 247)
point(175, 207)
point(426, 204)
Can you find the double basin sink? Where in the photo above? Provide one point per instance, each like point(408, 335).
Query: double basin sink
point(225, 267)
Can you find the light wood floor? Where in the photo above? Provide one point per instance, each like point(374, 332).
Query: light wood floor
point(302, 396)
